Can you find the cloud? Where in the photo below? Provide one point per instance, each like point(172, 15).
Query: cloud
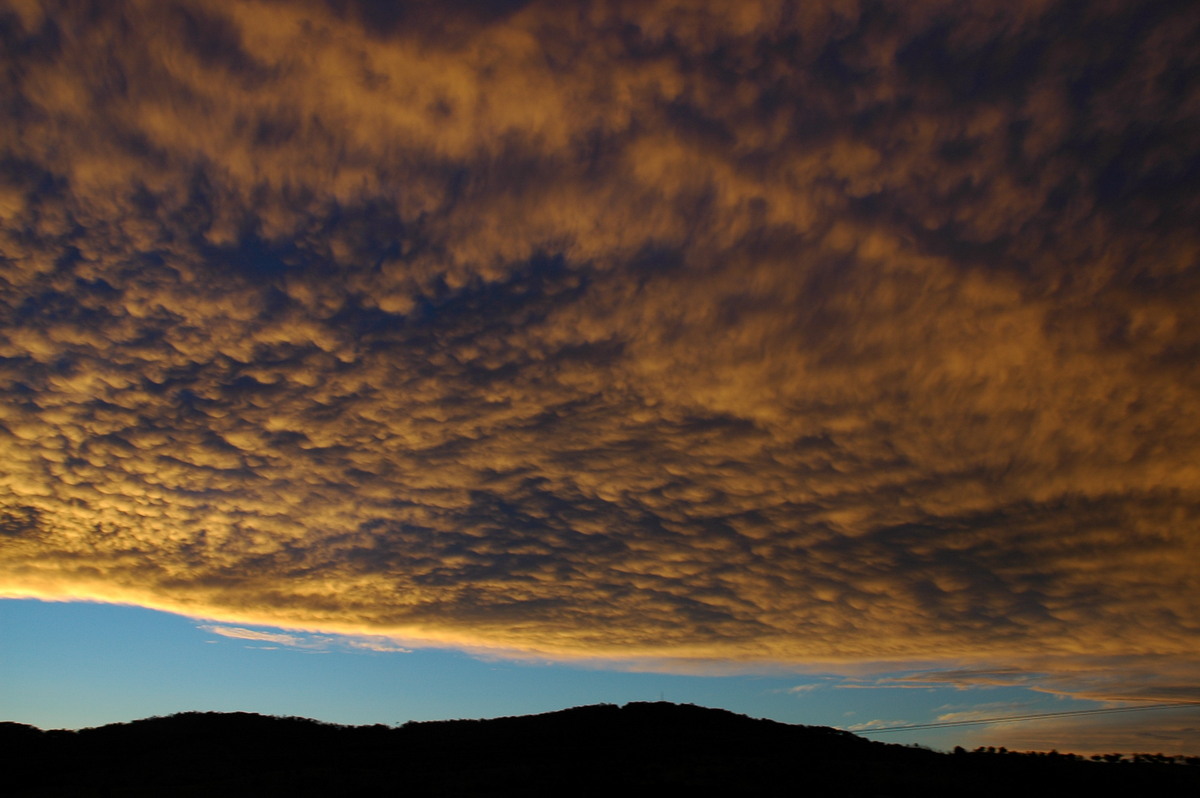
point(239, 633)
point(316, 643)
point(1166, 731)
point(876, 724)
point(800, 689)
point(726, 335)
point(984, 711)
point(1094, 678)
point(378, 644)
point(1148, 707)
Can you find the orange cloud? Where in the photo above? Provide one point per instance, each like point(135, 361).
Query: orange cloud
point(673, 332)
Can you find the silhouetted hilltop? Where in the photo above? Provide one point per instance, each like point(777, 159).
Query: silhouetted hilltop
point(591, 750)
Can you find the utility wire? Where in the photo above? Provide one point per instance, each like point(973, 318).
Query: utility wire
point(1023, 718)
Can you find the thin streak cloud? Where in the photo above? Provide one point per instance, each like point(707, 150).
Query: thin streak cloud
point(239, 633)
point(307, 641)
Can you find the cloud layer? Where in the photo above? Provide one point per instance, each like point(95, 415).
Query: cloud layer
point(741, 332)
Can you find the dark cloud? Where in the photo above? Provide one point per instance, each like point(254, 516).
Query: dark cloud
point(752, 333)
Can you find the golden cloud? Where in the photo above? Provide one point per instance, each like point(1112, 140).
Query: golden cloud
point(676, 331)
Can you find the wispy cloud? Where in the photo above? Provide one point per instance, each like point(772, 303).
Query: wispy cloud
point(876, 724)
point(801, 689)
point(1095, 678)
point(1168, 731)
point(984, 711)
point(375, 644)
point(307, 641)
point(249, 634)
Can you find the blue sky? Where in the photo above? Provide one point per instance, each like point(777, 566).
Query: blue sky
point(74, 665)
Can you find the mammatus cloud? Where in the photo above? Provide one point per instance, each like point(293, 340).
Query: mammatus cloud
point(750, 333)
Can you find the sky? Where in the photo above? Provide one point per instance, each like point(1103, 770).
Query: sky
point(831, 362)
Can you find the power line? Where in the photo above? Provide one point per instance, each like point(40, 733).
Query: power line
point(1023, 718)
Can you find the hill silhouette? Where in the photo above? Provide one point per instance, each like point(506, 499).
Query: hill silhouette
point(585, 751)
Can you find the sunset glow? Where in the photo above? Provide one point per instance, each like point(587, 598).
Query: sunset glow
point(677, 337)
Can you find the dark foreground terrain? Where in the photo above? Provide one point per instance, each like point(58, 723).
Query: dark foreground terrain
point(595, 750)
